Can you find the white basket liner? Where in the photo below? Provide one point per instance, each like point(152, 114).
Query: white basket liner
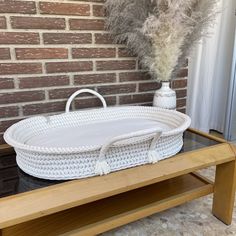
point(137, 147)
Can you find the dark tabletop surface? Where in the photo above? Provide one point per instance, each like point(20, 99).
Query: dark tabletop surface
point(13, 180)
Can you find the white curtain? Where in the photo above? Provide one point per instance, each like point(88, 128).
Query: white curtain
point(209, 72)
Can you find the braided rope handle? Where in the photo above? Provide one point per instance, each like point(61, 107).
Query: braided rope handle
point(102, 166)
point(72, 97)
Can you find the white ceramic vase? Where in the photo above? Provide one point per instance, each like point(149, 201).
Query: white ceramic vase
point(165, 97)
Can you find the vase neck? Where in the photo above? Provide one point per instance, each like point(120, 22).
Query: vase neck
point(165, 84)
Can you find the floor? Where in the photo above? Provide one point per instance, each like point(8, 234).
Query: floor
point(191, 219)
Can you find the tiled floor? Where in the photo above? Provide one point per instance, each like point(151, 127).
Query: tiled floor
point(191, 219)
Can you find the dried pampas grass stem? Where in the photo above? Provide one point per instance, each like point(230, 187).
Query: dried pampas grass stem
point(160, 32)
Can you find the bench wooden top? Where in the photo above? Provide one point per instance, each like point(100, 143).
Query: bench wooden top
point(37, 203)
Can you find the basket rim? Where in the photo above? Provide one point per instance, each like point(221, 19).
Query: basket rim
point(70, 150)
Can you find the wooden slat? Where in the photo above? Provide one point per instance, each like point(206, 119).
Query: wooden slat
point(224, 191)
point(105, 214)
point(139, 214)
point(233, 146)
point(34, 204)
point(202, 178)
point(209, 136)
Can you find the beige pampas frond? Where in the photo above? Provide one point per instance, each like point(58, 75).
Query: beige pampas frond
point(202, 15)
point(167, 32)
point(160, 32)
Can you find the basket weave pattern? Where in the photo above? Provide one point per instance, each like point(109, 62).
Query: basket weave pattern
point(81, 165)
point(58, 163)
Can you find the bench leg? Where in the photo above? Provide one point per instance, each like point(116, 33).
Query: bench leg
point(224, 192)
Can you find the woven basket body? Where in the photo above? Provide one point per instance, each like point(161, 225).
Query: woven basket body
point(153, 134)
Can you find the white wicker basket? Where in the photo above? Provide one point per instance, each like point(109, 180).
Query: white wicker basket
point(95, 142)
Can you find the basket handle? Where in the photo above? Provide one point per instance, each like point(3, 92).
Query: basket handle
point(72, 97)
point(102, 166)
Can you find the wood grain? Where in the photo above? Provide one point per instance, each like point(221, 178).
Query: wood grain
point(108, 213)
point(46, 201)
point(224, 191)
point(209, 136)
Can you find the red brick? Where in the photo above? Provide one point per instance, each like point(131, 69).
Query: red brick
point(6, 83)
point(94, 79)
point(152, 86)
point(43, 81)
point(182, 73)
point(142, 67)
point(41, 53)
point(3, 23)
point(93, 52)
point(19, 38)
point(57, 67)
point(64, 93)
point(181, 93)
point(86, 24)
point(11, 111)
point(98, 10)
point(4, 125)
point(180, 83)
point(103, 39)
point(136, 98)
point(134, 76)
point(182, 110)
point(93, 1)
point(20, 68)
point(93, 102)
point(2, 141)
point(181, 102)
point(5, 54)
point(117, 89)
point(149, 86)
point(67, 38)
point(49, 107)
point(26, 96)
point(116, 65)
point(123, 52)
point(19, 22)
point(23, 7)
point(64, 8)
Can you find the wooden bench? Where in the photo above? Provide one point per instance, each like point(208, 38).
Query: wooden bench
point(95, 205)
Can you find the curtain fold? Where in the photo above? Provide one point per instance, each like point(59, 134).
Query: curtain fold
point(209, 72)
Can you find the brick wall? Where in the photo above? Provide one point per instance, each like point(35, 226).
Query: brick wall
point(49, 49)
